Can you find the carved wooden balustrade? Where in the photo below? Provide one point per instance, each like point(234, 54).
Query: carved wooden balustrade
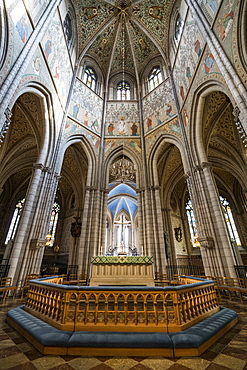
point(166, 309)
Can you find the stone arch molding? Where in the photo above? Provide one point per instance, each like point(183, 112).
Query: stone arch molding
point(110, 159)
point(87, 147)
point(196, 126)
point(46, 116)
point(156, 152)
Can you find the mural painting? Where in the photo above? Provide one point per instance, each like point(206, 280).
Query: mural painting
point(86, 107)
point(36, 8)
point(158, 107)
point(188, 56)
point(209, 7)
point(122, 119)
point(132, 144)
point(56, 54)
point(171, 127)
point(72, 128)
point(20, 24)
point(224, 25)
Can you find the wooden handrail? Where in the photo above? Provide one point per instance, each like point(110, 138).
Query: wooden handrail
point(166, 309)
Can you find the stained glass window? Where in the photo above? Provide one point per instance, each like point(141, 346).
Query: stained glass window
point(192, 223)
point(90, 78)
point(155, 78)
point(230, 220)
point(68, 28)
point(123, 91)
point(53, 222)
point(15, 220)
point(178, 29)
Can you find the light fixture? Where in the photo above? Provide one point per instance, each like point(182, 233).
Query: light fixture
point(49, 241)
point(123, 170)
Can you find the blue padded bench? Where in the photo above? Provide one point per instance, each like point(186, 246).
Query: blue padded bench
point(190, 342)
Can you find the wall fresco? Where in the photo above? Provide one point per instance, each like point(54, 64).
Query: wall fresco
point(56, 54)
point(224, 25)
point(209, 7)
point(171, 127)
point(189, 53)
point(36, 8)
point(158, 107)
point(122, 119)
point(20, 25)
point(72, 128)
point(132, 144)
point(86, 107)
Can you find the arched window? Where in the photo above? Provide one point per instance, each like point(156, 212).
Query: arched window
point(154, 78)
point(123, 91)
point(178, 29)
point(53, 224)
point(15, 220)
point(229, 220)
point(90, 78)
point(192, 223)
point(67, 25)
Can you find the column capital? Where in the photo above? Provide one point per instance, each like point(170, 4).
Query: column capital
point(206, 242)
point(91, 188)
point(57, 176)
point(47, 169)
point(38, 166)
point(206, 165)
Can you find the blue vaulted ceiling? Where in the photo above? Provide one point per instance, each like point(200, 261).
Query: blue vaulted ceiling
point(122, 198)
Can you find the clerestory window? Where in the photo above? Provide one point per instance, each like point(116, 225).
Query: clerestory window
point(123, 91)
point(90, 78)
point(154, 78)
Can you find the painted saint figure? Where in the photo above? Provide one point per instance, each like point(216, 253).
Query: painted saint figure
point(22, 29)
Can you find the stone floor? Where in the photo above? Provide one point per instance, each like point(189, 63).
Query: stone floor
point(230, 352)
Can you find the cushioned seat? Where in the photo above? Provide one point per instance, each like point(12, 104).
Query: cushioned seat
point(202, 333)
point(112, 339)
point(190, 342)
point(38, 329)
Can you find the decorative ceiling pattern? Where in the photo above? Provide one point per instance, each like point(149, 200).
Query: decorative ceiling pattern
point(168, 163)
point(212, 106)
point(119, 56)
point(102, 47)
point(144, 48)
point(154, 15)
point(92, 14)
point(224, 126)
point(20, 129)
point(147, 22)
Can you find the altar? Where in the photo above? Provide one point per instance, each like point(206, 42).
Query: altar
point(122, 270)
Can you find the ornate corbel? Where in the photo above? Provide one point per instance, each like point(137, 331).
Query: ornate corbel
point(206, 242)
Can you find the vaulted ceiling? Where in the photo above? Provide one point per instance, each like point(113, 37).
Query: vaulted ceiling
point(122, 32)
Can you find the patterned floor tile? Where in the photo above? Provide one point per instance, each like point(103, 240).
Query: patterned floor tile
point(84, 363)
point(157, 363)
point(228, 353)
point(11, 361)
point(121, 363)
point(47, 362)
point(194, 363)
point(230, 362)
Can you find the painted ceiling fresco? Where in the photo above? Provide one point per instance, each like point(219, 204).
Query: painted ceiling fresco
point(101, 24)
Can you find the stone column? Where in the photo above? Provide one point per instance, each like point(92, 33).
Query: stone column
point(217, 255)
point(84, 247)
point(25, 224)
point(158, 231)
point(34, 244)
point(169, 241)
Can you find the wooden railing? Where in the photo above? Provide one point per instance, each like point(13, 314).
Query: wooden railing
point(155, 309)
